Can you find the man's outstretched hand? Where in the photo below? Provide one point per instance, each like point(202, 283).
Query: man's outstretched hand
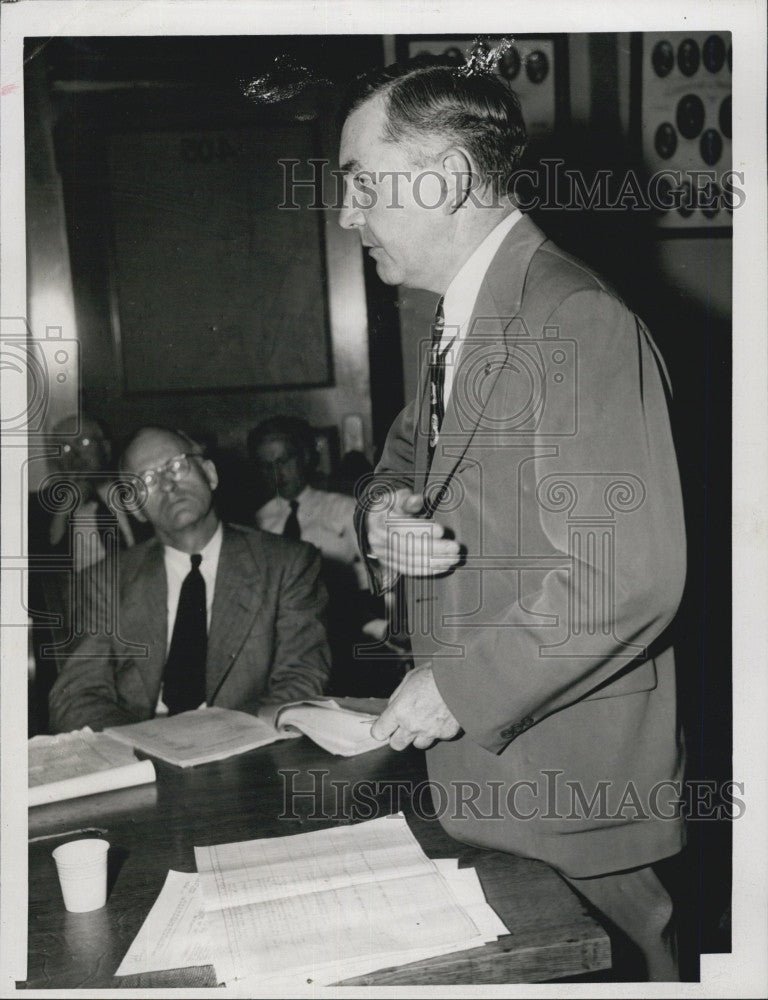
point(408, 544)
point(416, 714)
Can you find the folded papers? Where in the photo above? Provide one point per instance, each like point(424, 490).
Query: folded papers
point(69, 765)
point(209, 734)
point(362, 898)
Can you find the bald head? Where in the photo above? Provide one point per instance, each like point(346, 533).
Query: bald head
point(85, 447)
point(152, 439)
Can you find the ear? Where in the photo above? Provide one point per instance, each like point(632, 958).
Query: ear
point(459, 177)
point(138, 513)
point(210, 473)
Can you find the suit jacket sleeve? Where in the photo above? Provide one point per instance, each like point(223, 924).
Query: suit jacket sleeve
point(301, 664)
point(508, 679)
point(85, 692)
point(394, 471)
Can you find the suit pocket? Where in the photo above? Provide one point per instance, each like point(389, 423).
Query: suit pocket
point(631, 680)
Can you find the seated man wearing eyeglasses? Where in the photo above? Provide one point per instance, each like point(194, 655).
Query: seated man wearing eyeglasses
point(204, 613)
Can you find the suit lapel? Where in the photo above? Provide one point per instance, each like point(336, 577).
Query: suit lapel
point(145, 617)
point(236, 601)
point(483, 355)
point(422, 426)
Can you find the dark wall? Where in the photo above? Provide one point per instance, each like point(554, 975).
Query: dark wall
point(102, 87)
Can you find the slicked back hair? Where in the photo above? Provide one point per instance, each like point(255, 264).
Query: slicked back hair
point(427, 105)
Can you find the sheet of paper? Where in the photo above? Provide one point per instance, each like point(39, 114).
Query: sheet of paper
point(69, 765)
point(343, 729)
point(322, 934)
point(328, 975)
point(253, 871)
point(466, 889)
point(174, 935)
point(465, 886)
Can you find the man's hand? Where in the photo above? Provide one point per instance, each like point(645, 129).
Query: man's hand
point(408, 544)
point(416, 714)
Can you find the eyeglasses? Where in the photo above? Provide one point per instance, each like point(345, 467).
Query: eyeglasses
point(175, 469)
point(82, 443)
point(267, 464)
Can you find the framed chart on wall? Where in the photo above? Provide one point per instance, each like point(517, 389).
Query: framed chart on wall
point(214, 285)
point(681, 86)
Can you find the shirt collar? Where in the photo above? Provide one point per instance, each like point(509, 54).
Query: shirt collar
point(280, 503)
point(459, 300)
point(210, 552)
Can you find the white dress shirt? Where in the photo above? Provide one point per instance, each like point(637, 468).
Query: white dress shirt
point(326, 521)
point(177, 566)
point(461, 295)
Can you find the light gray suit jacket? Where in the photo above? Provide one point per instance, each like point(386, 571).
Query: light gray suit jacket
point(266, 642)
point(555, 469)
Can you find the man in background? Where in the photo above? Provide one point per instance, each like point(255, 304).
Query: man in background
point(532, 506)
point(72, 522)
point(84, 463)
point(284, 453)
point(202, 614)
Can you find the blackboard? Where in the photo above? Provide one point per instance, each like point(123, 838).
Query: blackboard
point(215, 286)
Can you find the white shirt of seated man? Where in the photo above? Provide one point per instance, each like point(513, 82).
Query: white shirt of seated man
point(326, 520)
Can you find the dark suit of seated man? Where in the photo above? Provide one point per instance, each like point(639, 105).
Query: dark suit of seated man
point(204, 613)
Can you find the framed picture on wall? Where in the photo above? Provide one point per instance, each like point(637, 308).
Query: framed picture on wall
point(216, 285)
point(681, 125)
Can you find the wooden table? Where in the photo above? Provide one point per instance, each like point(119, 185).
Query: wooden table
point(154, 828)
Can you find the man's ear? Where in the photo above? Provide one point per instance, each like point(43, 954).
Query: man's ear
point(138, 513)
point(134, 495)
point(459, 177)
point(210, 472)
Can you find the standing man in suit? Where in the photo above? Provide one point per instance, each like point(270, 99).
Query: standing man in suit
point(530, 498)
point(202, 614)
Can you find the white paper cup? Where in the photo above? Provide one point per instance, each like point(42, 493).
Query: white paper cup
point(82, 868)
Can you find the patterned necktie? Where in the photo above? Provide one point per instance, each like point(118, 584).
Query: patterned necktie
point(184, 675)
point(291, 528)
point(436, 382)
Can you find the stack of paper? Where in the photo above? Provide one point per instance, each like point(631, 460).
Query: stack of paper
point(318, 907)
point(197, 737)
point(81, 763)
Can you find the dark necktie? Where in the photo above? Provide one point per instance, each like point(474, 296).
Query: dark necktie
point(184, 675)
point(291, 528)
point(436, 382)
